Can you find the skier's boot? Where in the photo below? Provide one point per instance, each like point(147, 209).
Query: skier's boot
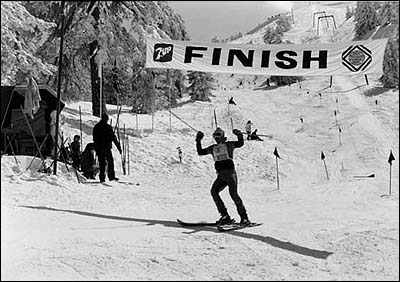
point(225, 219)
point(245, 220)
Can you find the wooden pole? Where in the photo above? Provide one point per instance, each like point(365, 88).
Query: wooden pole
point(169, 100)
point(129, 167)
point(41, 145)
point(137, 108)
point(33, 135)
point(60, 56)
point(12, 151)
point(80, 126)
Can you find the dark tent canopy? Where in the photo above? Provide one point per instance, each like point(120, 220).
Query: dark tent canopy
point(13, 123)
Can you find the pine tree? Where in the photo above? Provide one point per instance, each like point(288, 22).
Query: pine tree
point(390, 79)
point(366, 18)
point(271, 36)
point(120, 29)
point(349, 13)
point(200, 85)
point(389, 13)
point(21, 37)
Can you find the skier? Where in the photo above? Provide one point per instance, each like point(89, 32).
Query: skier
point(103, 136)
point(222, 153)
point(231, 101)
point(180, 154)
point(248, 129)
point(254, 136)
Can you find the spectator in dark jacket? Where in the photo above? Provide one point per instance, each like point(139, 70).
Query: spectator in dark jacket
point(103, 136)
point(88, 162)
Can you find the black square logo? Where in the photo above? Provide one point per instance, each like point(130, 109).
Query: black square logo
point(162, 52)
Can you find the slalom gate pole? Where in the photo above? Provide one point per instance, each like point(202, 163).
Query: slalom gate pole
point(326, 170)
point(277, 171)
point(390, 180)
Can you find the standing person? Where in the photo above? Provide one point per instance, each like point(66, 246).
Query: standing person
point(222, 153)
point(248, 129)
point(76, 152)
point(103, 136)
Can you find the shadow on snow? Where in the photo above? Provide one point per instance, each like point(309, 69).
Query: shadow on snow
point(266, 239)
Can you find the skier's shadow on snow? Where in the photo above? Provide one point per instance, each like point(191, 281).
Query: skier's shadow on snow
point(266, 239)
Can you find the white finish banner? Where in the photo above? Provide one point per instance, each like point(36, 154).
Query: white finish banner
point(333, 59)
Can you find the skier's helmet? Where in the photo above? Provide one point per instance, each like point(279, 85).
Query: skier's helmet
point(219, 135)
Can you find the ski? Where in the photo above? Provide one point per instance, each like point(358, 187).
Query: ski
point(236, 226)
point(201, 223)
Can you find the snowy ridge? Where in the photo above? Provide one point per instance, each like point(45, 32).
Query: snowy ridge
point(344, 228)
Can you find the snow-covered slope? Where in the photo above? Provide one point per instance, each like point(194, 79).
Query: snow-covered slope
point(344, 228)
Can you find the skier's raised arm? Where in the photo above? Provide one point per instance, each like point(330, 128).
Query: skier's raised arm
point(200, 150)
point(239, 135)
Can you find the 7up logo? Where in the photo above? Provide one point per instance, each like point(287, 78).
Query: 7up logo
point(162, 52)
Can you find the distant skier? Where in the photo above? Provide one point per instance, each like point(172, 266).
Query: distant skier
point(231, 101)
point(103, 136)
point(248, 129)
point(222, 153)
point(179, 154)
point(254, 136)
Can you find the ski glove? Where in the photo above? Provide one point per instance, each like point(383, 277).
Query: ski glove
point(199, 136)
point(236, 132)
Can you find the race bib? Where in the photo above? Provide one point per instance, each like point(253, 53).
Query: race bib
point(220, 152)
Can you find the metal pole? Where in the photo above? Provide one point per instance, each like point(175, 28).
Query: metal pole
point(59, 87)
